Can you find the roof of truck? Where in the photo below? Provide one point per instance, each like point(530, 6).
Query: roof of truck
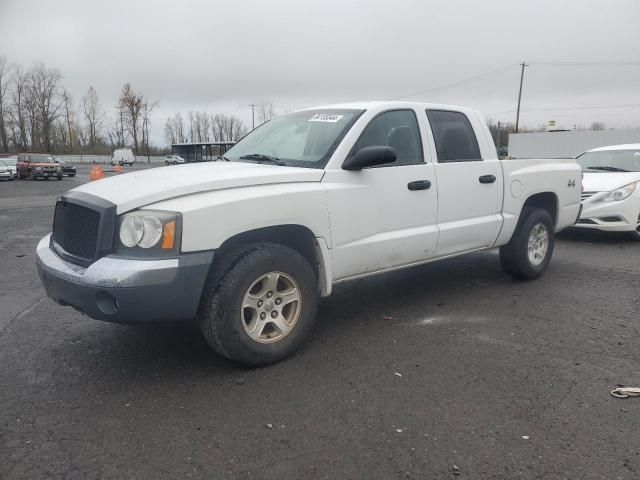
point(374, 104)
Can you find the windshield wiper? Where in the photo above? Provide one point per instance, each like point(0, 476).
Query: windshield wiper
point(608, 169)
point(260, 158)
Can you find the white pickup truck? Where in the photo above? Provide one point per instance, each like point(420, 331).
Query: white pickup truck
point(247, 245)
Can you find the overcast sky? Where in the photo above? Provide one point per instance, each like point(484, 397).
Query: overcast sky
point(220, 56)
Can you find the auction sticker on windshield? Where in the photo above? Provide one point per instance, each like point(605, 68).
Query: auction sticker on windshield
point(326, 117)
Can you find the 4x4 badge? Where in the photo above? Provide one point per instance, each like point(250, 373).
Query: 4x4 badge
point(572, 183)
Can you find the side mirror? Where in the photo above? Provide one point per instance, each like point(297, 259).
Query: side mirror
point(370, 157)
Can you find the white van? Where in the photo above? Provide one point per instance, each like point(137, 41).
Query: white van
point(123, 156)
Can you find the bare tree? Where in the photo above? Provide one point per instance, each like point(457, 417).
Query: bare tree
point(217, 125)
point(170, 134)
point(174, 130)
point(18, 107)
point(265, 111)
point(239, 131)
point(69, 130)
point(46, 94)
point(131, 104)
point(178, 124)
point(116, 131)
point(597, 126)
point(4, 100)
point(147, 108)
point(93, 115)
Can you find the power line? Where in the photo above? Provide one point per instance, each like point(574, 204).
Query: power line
point(582, 107)
point(588, 64)
point(457, 82)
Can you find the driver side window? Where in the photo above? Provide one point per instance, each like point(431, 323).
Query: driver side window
point(397, 129)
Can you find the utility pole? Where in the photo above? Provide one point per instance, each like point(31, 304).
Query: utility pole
point(253, 115)
point(520, 93)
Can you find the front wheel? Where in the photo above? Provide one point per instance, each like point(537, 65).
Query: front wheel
point(636, 233)
point(529, 251)
point(259, 303)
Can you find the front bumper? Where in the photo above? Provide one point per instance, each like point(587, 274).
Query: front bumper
point(46, 174)
point(125, 290)
point(620, 216)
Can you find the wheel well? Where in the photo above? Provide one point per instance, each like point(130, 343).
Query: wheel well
point(297, 237)
point(547, 201)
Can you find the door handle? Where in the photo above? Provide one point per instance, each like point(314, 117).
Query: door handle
point(419, 185)
point(487, 179)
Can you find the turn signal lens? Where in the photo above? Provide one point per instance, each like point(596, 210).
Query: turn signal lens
point(169, 237)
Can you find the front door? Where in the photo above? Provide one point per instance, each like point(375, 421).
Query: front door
point(384, 217)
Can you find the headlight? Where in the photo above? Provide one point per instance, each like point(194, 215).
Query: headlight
point(149, 233)
point(38, 169)
point(58, 169)
point(619, 194)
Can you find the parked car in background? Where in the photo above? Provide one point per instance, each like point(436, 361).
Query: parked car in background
point(306, 201)
point(611, 189)
point(173, 159)
point(123, 156)
point(38, 165)
point(5, 173)
point(12, 163)
point(67, 167)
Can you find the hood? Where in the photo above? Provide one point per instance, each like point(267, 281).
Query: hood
point(136, 189)
point(607, 181)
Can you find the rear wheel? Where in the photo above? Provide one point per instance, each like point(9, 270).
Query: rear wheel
point(636, 233)
point(529, 251)
point(259, 303)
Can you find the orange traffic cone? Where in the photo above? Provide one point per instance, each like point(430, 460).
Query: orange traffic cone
point(96, 173)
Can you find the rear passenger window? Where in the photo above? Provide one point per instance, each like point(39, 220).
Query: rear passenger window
point(454, 136)
point(397, 129)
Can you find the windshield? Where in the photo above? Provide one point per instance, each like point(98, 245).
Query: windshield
point(9, 161)
point(301, 139)
point(610, 161)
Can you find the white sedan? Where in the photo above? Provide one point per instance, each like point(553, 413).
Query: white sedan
point(9, 163)
point(173, 160)
point(611, 189)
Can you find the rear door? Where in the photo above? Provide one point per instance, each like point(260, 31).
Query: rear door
point(468, 185)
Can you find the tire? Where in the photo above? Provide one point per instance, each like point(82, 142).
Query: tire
point(72, 175)
point(636, 233)
point(225, 324)
point(59, 178)
point(515, 257)
point(31, 175)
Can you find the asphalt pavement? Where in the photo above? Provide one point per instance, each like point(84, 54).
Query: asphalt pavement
point(449, 370)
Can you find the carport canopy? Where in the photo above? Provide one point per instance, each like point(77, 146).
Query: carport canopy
point(200, 151)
